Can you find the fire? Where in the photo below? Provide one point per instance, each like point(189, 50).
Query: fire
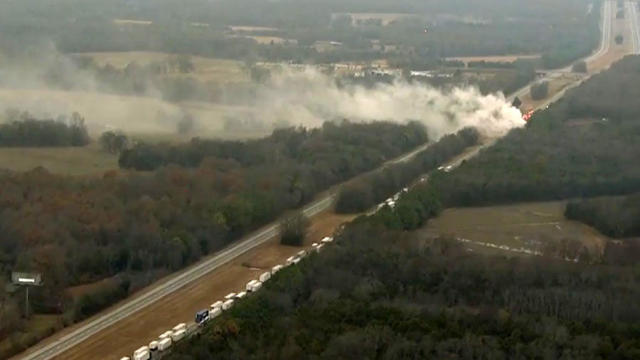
point(526, 116)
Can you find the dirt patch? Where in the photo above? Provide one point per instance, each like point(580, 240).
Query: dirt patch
point(523, 225)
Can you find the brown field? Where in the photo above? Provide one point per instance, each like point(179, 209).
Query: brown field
point(67, 160)
point(496, 59)
point(124, 337)
point(523, 225)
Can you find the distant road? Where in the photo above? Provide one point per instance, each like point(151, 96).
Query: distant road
point(632, 13)
point(184, 277)
point(605, 43)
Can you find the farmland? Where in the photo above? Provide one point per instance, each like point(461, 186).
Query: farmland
point(530, 225)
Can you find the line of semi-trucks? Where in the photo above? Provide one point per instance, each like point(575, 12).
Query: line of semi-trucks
point(159, 347)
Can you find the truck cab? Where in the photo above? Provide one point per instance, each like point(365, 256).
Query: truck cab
point(202, 316)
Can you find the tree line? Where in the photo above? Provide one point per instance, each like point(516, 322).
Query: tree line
point(613, 216)
point(342, 139)
point(21, 129)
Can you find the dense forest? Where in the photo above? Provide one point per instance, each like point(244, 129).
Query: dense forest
point(613, 216)
point(132, 227)
point(560, 32)
point(366, 191)
point(383, 294)
point(21, 129)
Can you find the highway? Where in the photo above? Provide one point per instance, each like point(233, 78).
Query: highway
point(605, 42)
point(192, 273)
point(632, 13)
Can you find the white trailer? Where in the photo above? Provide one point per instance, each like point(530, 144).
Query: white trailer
point(327, 239)
point(265, 276)
point(241, 294)
point(164, 344)
point(215, 312)
point(141, 350)
point(256, 286)
point(250, 284)
point(178, 335)
point(125, 358)
point(290, 260)
point(181, 326)
point(142, 356)
point(230, 296)
point(153, 346)
point(227, 304)
point(276, 268)
point(296, 260)
point(216, 305)
point(302, 253)
point(165, 335)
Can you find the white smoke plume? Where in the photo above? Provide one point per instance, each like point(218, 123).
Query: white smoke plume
point(289, 97)
point(310, 98)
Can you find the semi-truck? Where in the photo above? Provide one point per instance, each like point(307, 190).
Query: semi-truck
point(265, 276)
point(178, 335)
point(250, 285)
point(202, 316)
point(227, 304)
point(164, 344)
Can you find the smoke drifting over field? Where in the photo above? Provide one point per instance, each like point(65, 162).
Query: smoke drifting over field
point(309, 98)
point(289, 97)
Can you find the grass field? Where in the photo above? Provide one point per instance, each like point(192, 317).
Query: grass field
point(66, 160)
point(523, 225)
